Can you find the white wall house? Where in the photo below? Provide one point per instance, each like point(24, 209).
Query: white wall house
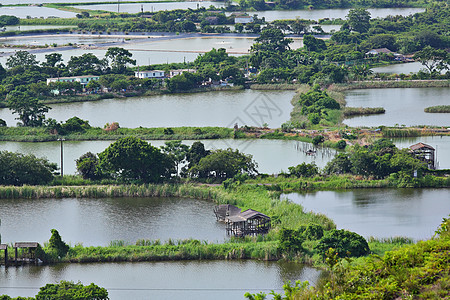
point(180, 71)
point(243, 19)
point(150, 74)
point(85, 79)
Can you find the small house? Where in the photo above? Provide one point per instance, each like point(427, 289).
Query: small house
point(241, 223)
point(150, 74)
point(243, 19)
point(425, 153)
point(84, 80)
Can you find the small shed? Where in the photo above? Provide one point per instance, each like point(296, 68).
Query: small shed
point(241, 223)
point(425, 153)
point(26, 256)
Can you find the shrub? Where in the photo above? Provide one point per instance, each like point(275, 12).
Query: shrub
point(313, 232)
point(290, 241)
point(317, 140)
point(57, 243)
point(346, 243)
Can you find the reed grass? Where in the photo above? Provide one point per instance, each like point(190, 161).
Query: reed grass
point(360, 111)
point(438, 109)
point(407, 132)
point(340, 87)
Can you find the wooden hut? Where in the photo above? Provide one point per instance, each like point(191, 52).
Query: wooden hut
point(241, 223)
point(425, 153)
point(27, 256)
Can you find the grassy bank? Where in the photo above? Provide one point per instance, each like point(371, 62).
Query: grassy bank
point(438, 109)
point(340, 87)
point(43, 134)
point(361, 111)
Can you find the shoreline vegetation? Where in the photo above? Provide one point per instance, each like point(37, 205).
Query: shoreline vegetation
point(264, 198)
point(438, 109)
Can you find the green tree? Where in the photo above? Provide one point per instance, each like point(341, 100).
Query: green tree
point(131, 158)
point(86, 64)
point(119, 58)
point(19, 169)
point(21, 59)
point(31, 112)
point(88, 166)
point(57, 244)
point(176, 151)
point(196, 153)
point(66, 290)
point(53, 60)
point(272, 40)
point(359, 19)
point(434, 60)
point(340, 164)
point(313, 44)
point(224, 164)
point(304, 170)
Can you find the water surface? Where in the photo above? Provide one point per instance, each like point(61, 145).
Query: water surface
point(404, 106)
point(134, 8)
point(35, 12)
point(190, 280)
point(97, 222)
point(414, 213)
point(225, 108)
point(272, 156)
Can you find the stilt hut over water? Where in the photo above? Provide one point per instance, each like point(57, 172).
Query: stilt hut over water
point(425, 153)
point(241, 223)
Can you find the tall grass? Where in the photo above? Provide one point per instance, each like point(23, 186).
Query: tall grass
point(360, 111)
point(391, 133)
point(438, 109)
point(340, 87)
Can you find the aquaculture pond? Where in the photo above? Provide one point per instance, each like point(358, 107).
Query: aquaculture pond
point(224, 109)
point(97, 222)
point(272, 156)
point(190, 280)
point(382, 213)
point(404, 106)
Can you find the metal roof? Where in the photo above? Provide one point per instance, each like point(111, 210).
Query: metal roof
point(420, 146)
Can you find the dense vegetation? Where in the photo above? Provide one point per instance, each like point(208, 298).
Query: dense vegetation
point(66, 290)
point(438, 109)
point(419, 271)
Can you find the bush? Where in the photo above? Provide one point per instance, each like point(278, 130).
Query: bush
point(290, 241)
point(341, 144)
point(313, 232)
point(346, 244)
point(57, 244)
point(317, 140)
point(304, 170)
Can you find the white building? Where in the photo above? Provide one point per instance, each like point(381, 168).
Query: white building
point(180, 71)
point(81, 79)
point(150, 74)
point(243, 19)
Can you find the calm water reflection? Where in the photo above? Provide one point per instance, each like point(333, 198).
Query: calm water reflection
point(191, 280)
point(134, 8)
point(414, 213)
point(198, 109)
point(272, 156)
point(35, 12)
point(403, 106)
point(96, 222)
